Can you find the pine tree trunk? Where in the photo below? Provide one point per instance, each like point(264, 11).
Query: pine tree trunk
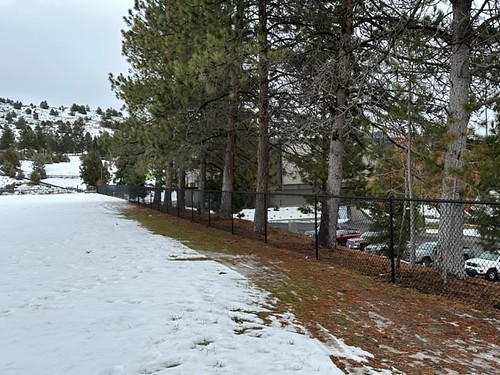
point(226, 210)
point(450, 244)
point(226, 206)
point(263, 141)
point(337, 135)
point(167, 200)
point(201, 185)
point(181, 188)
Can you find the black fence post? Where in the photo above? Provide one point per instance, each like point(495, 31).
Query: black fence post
point(168, 197)
point(232, 215)
point(209, 208)
point(391, 244)
point(265, 220)
point(159, 198)
point(316, 226)
point(192, 205)
point(178, 205)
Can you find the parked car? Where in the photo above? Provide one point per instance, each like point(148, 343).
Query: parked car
point(345, 234)
point(310, 232)
point(365, 239)
point(425, 252)
point(487, 264)
point(378, 248)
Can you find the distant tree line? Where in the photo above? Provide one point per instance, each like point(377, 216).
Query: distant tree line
point(57, 137)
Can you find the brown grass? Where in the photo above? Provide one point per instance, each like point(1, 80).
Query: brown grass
point(405, 329)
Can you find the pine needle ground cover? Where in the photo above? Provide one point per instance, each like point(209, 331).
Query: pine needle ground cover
point(406, 331)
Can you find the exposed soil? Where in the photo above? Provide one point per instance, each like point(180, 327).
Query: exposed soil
point(406, 331)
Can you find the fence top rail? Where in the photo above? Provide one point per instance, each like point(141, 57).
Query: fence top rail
point(435, 201)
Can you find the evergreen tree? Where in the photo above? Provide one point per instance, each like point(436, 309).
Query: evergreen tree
point(7, 140)
point(92, 171)
point(9, 160)
point(38, 169)
point(21, 123)
point(87, 142)
point(27, 139)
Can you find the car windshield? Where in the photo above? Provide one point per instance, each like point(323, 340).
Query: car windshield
point(488, 255)
point(426, 246)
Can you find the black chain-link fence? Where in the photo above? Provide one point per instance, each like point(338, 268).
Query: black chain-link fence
point(444, 247)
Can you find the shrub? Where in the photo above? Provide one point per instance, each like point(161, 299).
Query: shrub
point(10, 156)
point(38, 172)
point(8, 169)
point(60, 158)
point(35, 177)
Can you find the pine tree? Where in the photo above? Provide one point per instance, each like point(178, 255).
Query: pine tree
point(7, 140)
point(92, 171)
point(9, 160)
point(38, 169)
point(27, 139)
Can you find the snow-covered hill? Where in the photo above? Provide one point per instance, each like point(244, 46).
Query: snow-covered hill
point(96, 121)
point(15, 115)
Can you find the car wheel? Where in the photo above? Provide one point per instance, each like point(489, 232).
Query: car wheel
point(491, 274)
point(427, 261)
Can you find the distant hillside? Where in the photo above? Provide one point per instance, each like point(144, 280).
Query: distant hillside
point(40, 135)
point(94, 121)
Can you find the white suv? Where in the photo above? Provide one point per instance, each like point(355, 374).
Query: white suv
point(487, 264)
point(426, 252)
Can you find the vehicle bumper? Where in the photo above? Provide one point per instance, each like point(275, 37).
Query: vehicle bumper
point(475, 272)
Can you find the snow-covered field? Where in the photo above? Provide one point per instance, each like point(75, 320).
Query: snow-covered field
point(85, 291)
point(64, 175)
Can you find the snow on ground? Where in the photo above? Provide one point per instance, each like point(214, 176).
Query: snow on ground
point(66, 169)
point(85, 291)
point(64, 175)
point(287, 214)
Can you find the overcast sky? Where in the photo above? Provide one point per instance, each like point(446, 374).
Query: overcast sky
point(61, 50)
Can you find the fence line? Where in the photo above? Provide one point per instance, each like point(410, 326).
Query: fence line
point(374, 235)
